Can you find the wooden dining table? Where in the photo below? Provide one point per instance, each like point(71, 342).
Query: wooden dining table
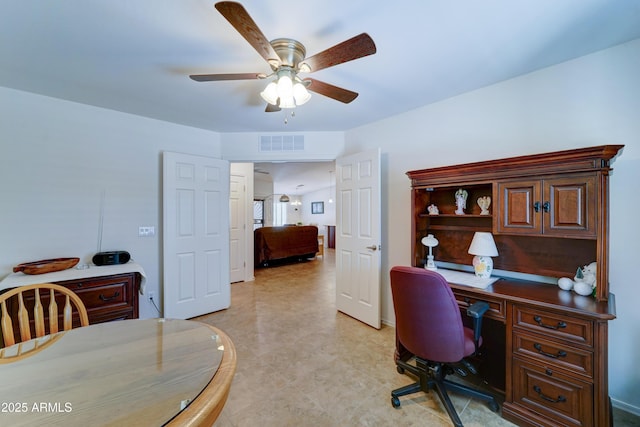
point(140, 372)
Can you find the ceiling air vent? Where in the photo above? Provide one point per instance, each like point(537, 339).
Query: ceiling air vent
point(282, 143)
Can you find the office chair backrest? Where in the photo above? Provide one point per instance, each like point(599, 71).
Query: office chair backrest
point(428, 320)
point(63, 307)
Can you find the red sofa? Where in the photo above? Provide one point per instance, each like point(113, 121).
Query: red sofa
point(286, 242)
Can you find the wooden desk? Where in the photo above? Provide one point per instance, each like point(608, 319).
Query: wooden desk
point(542, 350)
point(555, 367)
point(549, 215)
point(132, 372)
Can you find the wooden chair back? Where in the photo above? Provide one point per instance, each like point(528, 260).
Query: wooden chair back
point(71, 300)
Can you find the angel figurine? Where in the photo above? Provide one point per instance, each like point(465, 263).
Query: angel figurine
point(484, 202)
point(461, 201)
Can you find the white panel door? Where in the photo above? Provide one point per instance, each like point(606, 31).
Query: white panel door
point(196, 235)
point(358, 236)
point(237, 228)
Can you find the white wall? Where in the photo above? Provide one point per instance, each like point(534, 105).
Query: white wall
point(324, 219)
point(593, 100)
point(56, 158)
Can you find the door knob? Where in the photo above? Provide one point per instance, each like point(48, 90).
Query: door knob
point(372, 247)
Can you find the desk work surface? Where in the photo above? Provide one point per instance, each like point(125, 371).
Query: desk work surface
point(133, 372)
point(541, 295)
point(466, 279)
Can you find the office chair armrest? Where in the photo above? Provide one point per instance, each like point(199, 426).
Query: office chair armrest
point(477, 311)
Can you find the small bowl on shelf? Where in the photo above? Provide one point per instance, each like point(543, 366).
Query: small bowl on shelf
point(46, 265)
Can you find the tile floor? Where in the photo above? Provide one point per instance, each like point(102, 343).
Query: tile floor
point(302, 363)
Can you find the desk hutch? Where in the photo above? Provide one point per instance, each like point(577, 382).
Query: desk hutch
point(549, 215)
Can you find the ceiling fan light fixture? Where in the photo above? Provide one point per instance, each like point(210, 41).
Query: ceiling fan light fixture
point(287, 57)
point(285, 85)
point(300, 93)
point(287, 91)
point(270, 93)
point(287, 102)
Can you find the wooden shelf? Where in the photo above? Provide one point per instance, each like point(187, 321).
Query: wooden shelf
point(454, 216)
point(460, 228)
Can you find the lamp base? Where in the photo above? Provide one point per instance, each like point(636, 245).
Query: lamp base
point(430, 265)
point(483, 266)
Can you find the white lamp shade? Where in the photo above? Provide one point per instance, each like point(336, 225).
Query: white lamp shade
point(285, 86)
point(429, 241)
point(287, 102)
point(300, 93)
point(483, 244)
point(270, 93)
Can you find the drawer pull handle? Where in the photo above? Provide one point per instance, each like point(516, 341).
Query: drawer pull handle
point(560, 398)
point(561, 353)
point(106, 299)
point(560, 325)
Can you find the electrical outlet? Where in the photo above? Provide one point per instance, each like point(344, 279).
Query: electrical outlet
point(147, 231)
point(151, 296)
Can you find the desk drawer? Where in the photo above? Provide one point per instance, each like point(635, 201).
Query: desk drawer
point(564, 400)
point(553, 355)
point(112, 296)
point(496, 307)
point(107, 298)
point(554, 325)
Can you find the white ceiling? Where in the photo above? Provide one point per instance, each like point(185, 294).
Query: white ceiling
point(297, 178)
point(135, 56)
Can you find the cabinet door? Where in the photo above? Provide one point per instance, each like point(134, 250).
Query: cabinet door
point(519, 207)
point(570, 206)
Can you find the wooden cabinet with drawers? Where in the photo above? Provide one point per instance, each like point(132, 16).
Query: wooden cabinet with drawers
point(549, 215)
point(553, 366)
point(106, 298)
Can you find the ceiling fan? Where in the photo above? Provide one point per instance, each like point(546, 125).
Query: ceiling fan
point(286, 57)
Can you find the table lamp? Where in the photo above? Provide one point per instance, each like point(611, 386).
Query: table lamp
point(430, 242)
point(483, 247)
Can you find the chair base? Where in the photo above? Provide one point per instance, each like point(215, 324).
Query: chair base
point(431, 376)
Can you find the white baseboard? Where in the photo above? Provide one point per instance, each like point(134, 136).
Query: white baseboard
point(625, 407)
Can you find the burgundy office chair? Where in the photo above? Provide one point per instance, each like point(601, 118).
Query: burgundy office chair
point(429, 327)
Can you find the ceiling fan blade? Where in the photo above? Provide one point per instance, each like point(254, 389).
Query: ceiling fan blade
point(271, 108)
point(331, 91)
point(354, 48)
point(219, 77)
point(237, 16)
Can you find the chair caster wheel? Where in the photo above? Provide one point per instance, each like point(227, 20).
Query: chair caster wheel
point(493, 406)
point(395, 402)
point(400, 369)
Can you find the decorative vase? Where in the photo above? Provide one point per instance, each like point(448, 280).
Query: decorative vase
point(483, 266)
